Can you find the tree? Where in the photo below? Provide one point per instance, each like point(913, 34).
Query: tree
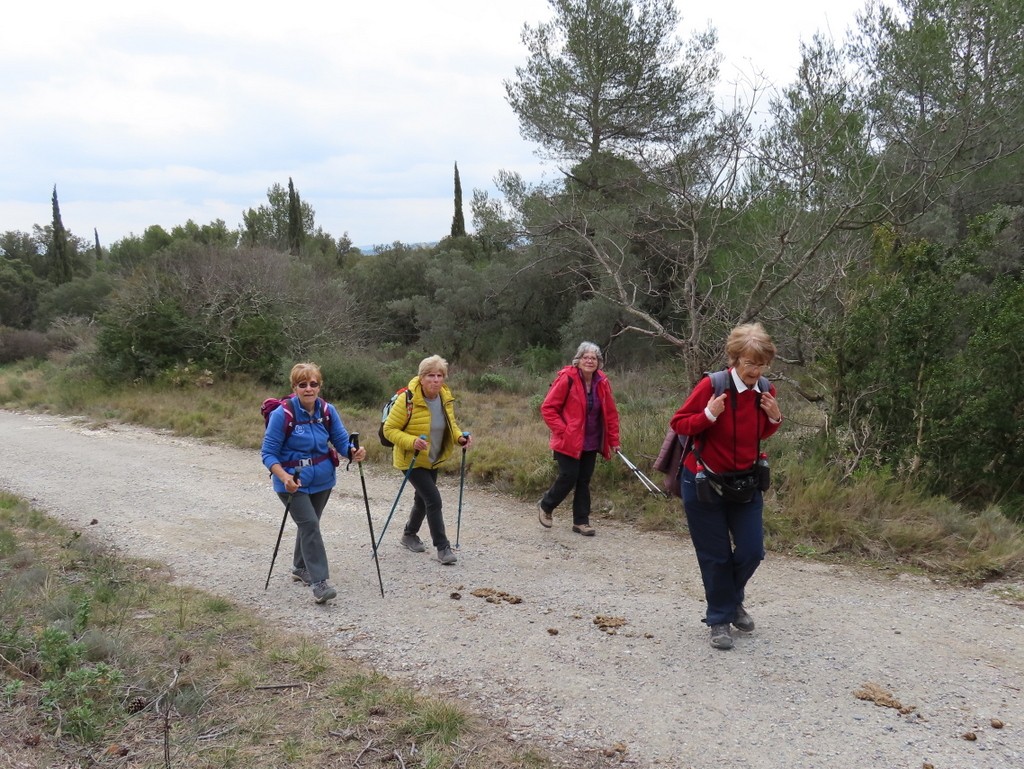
point(268, 225)
point(945, 86)
point(606, 76)
point(295, 229)
point(458, 219)
point(60, 258)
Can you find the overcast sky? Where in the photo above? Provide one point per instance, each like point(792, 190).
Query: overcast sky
point(149, 113)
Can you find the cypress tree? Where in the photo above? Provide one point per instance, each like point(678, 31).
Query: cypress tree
point(294, 220)
point(61, 260)
point(458, 220)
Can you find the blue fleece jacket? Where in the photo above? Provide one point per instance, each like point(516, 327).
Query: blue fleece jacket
point(308, 440)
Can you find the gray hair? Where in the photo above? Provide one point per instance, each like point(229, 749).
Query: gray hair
point(588, 347)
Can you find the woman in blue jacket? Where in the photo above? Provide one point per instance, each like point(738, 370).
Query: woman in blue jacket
point(580, 411)
point(296, 452)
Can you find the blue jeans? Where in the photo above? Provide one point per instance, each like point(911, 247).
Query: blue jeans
point(310, 553)
point(728, 538)
point(426, 504)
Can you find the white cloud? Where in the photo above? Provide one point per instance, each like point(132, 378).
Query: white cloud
point(154, 114)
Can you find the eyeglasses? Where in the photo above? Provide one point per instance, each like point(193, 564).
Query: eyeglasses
point(588, 357)
point(310, 385)
point(751, 364)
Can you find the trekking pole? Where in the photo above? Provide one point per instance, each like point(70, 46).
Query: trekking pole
point(400, 488)
point(354, 437)
point(462, 481)
point(647, 482)
point(280, 532)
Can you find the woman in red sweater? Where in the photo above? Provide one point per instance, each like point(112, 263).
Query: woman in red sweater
point(580, 411)
point(721, 486)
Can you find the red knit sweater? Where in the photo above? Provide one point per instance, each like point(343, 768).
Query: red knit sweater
point(728, 444)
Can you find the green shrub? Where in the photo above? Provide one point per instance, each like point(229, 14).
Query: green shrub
point(540, 360)
point(490, 382)
point(352, 379)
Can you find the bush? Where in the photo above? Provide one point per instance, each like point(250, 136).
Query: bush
point(352, 379)
point(17, 344)
point(490, 382)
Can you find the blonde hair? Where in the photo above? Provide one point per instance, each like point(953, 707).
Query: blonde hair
point(752, 339)
point(432, 364)
point(306, 372)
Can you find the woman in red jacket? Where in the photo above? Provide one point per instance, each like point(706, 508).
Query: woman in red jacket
point(721, 485)
point(579, 409)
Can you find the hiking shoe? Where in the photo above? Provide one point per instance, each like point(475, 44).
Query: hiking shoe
point(544, 517)
point(584, 528)
point(323, 592)
point(721, 638)
point(743, 620)
point(414, 543)
point(302, 575)
point(446, 556)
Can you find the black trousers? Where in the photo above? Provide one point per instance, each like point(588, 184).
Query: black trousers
point(573, 475)
point(426, 504)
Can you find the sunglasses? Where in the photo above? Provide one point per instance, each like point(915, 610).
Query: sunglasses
point(310, 385)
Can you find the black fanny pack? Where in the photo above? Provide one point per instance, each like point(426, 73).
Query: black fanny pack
point(735, 487)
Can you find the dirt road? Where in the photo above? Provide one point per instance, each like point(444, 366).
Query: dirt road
point(784, 697)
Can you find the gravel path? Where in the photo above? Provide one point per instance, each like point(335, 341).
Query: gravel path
point(538, 663)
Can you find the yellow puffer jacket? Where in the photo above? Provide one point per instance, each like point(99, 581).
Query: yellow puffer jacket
point(419, 424)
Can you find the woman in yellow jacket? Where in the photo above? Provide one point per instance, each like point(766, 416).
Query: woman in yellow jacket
point(431, 413)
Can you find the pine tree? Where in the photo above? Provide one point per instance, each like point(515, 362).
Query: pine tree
point(99, 251)
point(458, 220)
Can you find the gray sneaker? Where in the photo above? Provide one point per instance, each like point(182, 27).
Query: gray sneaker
point(743, 621)
point(721, 638)
point(414, 543)
point(323, 592)
point(544, 516)
point(446, 556)
point(302, 575)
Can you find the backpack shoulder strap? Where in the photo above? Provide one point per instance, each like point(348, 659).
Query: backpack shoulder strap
point(289, 416)
point(408, 406)
point(325, 413)
point(719, 380)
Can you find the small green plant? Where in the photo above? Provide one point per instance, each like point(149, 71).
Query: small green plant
point(57, 652)
point(83, 700)
point(10, 692)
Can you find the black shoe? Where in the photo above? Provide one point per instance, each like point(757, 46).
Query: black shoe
point(721, 638)
point(743, 621)
point(302, 575)
point(446, 556)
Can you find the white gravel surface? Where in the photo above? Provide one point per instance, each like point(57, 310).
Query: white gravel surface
point(783, 697)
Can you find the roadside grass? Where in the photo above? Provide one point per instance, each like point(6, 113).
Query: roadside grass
point(102, 663)
point(872, 518)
